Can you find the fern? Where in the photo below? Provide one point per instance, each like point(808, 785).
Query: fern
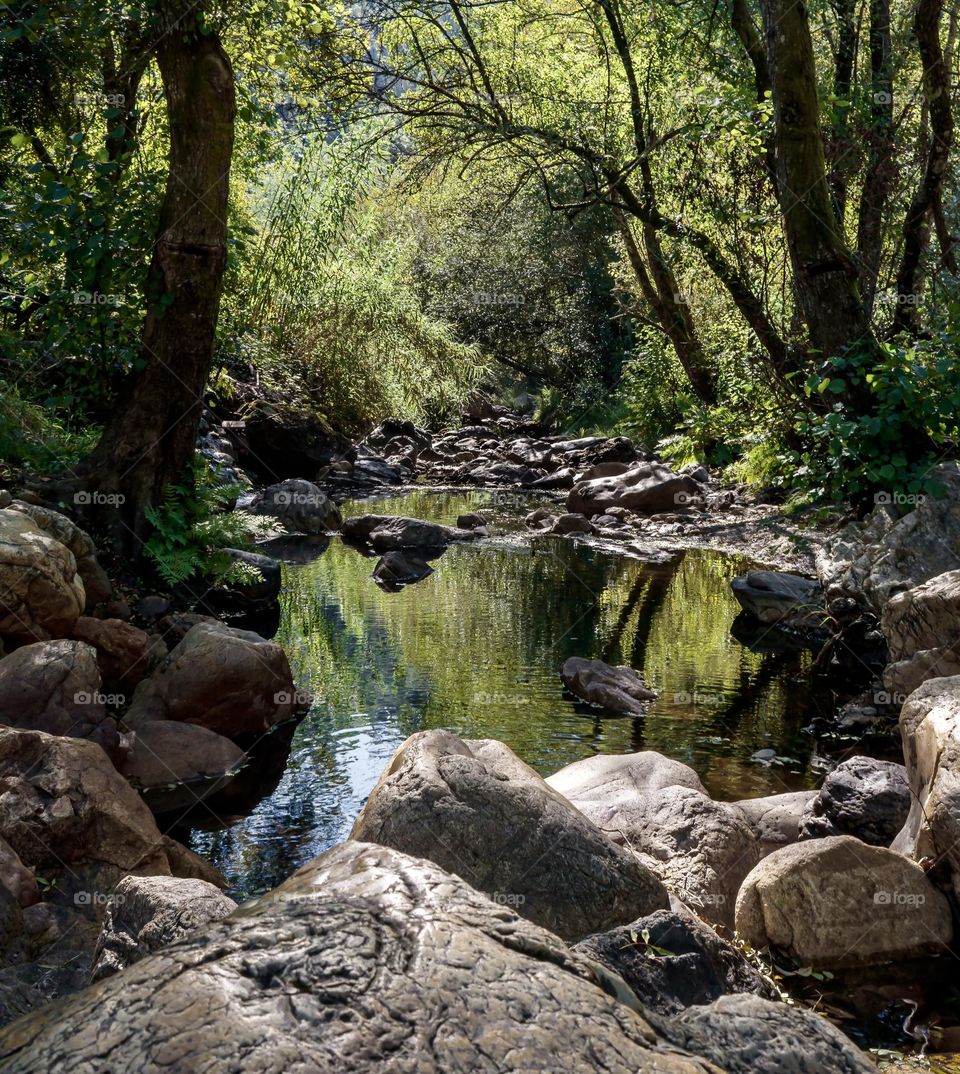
point(193, 525)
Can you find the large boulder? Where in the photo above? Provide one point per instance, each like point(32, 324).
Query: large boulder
point(41, 594)
point(647, 489)
point(476, 809)
point(747, 1034)
point(96, 584)
point(618, 689)
point(365, 960)
point(123, 651)
point(922, 628)
point(838, 902)
point(777, 597)
point(299, 505)
point(55, 686)
point(863, 797)
point(145, 913)
point(699, 848)
point(70, 816)
point(672, 961)
point(230, 681)
point(930, 729)
point(385, 533)
point(175, 765)
point(776, 819)
point(904, 542)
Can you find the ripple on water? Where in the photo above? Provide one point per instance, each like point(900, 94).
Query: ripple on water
point(476, 649)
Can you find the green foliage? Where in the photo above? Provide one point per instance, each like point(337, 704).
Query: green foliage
point(323, 304)
point(891, 445)
point(193, 525)
point(531, 287)
point(37, 437)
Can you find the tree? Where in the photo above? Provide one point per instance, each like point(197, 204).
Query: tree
point(152, 435)
point(825, 276)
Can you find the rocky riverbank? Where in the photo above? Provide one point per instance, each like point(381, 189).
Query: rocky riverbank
point(605, 918)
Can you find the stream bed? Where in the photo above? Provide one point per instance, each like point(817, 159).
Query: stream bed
point(476, 649)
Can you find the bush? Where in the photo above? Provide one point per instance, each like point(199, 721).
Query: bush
point(913, 422)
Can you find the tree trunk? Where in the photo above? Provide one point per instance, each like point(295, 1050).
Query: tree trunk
point(825, 277)
point(879, 171)
point(150, 441)
point(916, 228)
point(659, 288)
point(842, 79)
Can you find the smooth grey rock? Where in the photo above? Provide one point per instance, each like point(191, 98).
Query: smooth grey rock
point(899, 546)
point(476, 809)
point(838, 902)
point(930, 730)
point(775, 819)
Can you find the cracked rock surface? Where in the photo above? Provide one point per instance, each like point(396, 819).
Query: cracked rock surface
point(365, 960)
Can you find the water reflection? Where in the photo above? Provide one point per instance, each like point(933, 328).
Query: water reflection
point(476, 648)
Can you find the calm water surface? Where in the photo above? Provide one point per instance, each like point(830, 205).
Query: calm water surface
point(476, 649)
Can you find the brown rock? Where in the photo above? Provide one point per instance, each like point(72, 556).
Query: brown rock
point(123, 651)
point(41, 594)
point(230, 681)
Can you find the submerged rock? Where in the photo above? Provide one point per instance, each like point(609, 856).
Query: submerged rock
point(619, 689)
point(776, 597)
point(838, 902)
point(386, 533)
point(174, 764)
point(475, 808)
point(366, 960)
point(394, 570)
